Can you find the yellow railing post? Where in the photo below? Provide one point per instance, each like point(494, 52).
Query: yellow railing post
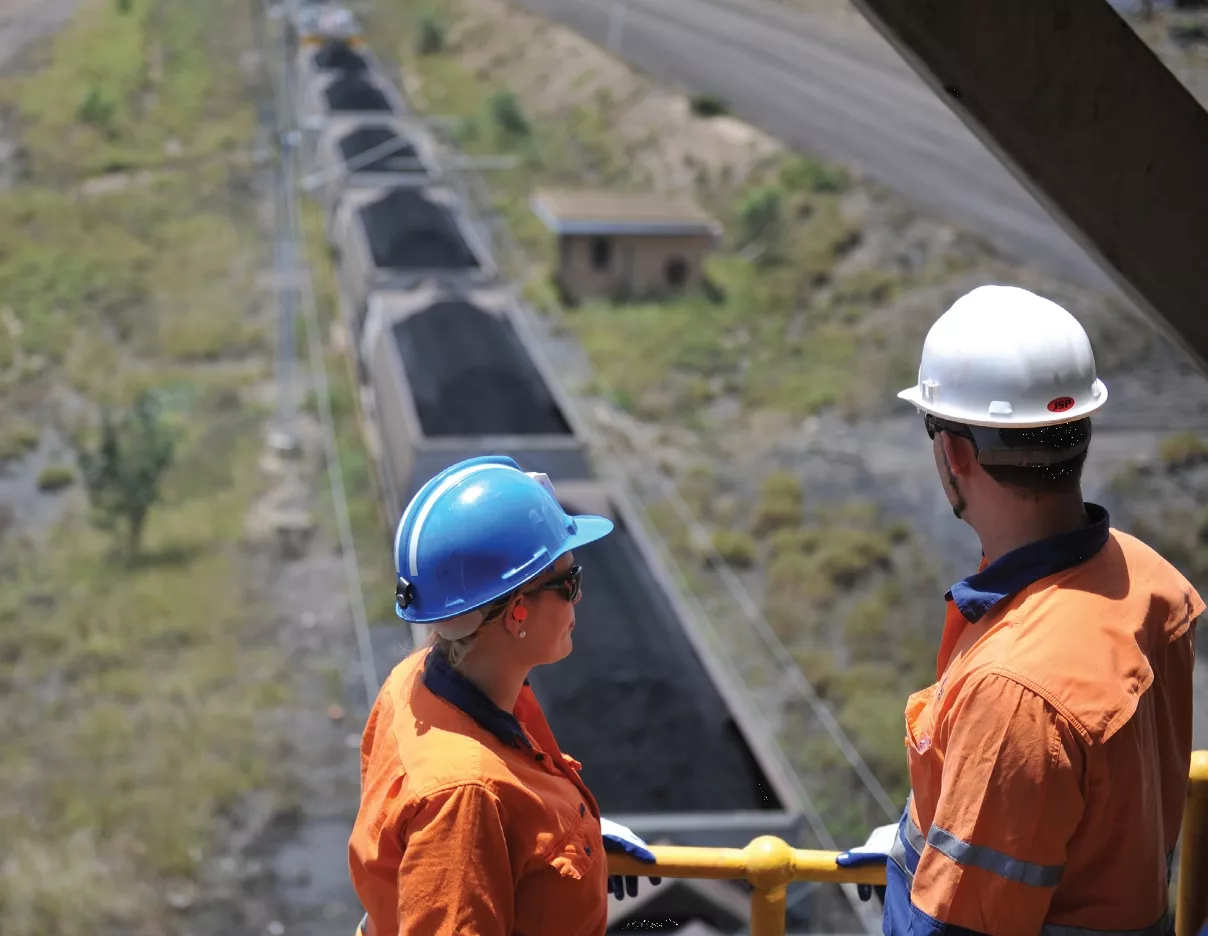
point(770, 865)
point(1192, 907)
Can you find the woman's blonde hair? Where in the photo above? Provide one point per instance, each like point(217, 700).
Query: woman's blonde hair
point(456, 650)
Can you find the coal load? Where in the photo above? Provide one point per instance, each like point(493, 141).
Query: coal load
point(354, 93)
point(634, 703)
point(339, 56)
point(470, 375)
point(406, 231)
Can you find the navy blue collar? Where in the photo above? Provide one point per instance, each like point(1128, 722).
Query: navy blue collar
point(1019, 568)
point(455, 689)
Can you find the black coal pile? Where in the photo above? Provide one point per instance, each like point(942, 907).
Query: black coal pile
point(340, 56)
point(398, 155)
point(406, 231)
point(356, 93)
point(634, 703)
point(471, 376)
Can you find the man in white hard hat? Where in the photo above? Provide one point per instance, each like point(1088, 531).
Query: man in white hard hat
point(1049, 763)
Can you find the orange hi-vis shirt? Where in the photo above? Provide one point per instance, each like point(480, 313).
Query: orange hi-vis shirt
point(472, 824)
point(1049, 764)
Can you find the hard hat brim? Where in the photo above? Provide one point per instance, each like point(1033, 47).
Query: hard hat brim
point(914, 396)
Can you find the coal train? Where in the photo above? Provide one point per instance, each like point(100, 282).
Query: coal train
point(449, 367)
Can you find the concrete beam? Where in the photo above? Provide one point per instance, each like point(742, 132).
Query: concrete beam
point(1067, 96)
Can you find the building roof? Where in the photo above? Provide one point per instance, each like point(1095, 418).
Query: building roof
point(602, 212)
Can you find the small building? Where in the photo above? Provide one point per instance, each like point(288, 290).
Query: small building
point(626, 246)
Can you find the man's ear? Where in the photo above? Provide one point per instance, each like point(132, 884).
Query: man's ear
point(959, 452)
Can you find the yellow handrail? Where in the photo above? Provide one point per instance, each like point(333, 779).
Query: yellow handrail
point(1191, 910)
point(770, 863)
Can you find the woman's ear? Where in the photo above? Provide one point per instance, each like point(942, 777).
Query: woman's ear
point(514, 616)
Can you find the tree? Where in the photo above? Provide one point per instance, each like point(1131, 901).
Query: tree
point(123, 475)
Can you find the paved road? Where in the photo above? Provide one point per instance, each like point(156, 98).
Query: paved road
point(845, 94)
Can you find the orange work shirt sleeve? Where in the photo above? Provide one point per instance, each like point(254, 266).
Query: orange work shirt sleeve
point(455, 878)
point(1010, 800)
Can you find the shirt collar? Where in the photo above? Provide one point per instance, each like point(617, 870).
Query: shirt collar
point(444, 681)
point(1015, 571)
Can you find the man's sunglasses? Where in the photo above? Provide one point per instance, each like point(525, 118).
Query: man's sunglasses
point(934, 425)
point(569, 584)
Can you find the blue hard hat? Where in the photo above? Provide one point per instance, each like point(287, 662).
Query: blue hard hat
point(476, 532)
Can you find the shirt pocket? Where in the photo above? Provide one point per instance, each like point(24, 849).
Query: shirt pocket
point(920, 752)
point(574, 883)
point(579, 849)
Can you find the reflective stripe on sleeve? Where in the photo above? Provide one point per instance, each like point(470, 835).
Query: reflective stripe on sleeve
point(988, 859)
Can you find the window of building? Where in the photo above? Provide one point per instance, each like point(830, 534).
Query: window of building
point(601, 253)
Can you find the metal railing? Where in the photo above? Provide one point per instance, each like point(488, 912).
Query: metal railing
point(769, 864)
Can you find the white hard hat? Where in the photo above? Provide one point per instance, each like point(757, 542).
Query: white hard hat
point(1005, 357)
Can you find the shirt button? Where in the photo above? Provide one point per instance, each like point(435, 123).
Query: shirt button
point(582, 809)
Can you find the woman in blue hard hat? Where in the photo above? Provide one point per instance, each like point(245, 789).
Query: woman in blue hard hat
point(472, 821)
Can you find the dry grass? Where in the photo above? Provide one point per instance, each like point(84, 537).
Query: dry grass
point(130, 695)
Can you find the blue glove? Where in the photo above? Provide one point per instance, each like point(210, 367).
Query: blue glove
point(876, 849)
point(618, 838)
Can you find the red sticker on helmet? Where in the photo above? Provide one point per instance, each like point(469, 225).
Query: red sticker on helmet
point(1061, 404)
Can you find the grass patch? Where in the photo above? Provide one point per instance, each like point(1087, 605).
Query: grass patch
point(18, 436)
point(709, 105)
point(1182, 450)
point(115, 675)
point(55, 478)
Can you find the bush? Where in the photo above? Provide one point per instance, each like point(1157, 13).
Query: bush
point(780, 503)
point(508, 114)
point(55, 478)
point(761, 215)
point(431, 35)
point(735, 547)
point(1182, 450)
point(810, 175)
point(709, 105)
point(96, 109)
point(17, 437)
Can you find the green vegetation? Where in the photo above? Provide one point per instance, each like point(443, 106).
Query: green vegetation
point(735, 547)
point(709, 105)
point(780, 503)
point(55, 478)
point(1182, 450)
point(18, 436)
point(508, 115)
point(125, 472)
point(127, 252)
point(431, 35)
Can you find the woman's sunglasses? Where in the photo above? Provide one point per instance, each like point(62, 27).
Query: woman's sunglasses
point(569, 584)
